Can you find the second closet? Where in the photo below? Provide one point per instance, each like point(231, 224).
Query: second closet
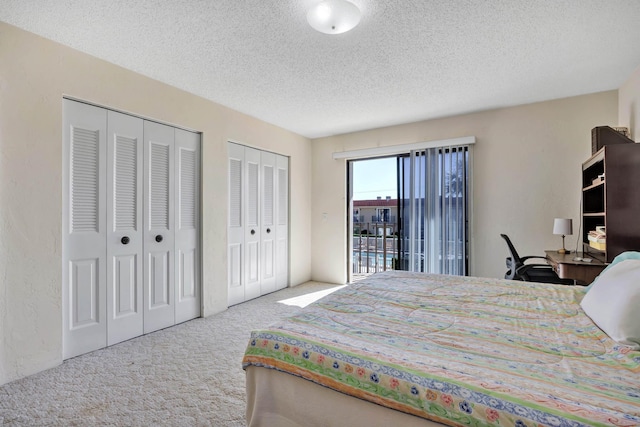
point(258, 229)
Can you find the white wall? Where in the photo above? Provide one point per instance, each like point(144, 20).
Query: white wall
point(34, 75)
point(629, 105)
point(527, 163)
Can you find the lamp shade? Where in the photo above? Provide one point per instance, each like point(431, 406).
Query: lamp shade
point(334, 16)
point(563, 226)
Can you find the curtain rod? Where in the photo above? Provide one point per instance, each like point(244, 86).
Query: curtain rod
point(402, 148)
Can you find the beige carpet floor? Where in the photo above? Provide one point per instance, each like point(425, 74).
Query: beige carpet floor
point(186, 375)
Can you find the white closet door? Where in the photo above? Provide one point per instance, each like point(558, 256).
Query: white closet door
point(124, 227)
point(187, 225)
point(258, 228)
point(235, 234)
point(252, 224)
point(84, 229)
point(159, 211)
point(282, 228)
point(268, 223)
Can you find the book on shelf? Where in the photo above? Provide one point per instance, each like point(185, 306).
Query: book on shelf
point(597, 238)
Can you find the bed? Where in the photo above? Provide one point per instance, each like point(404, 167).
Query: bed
point(407, 349)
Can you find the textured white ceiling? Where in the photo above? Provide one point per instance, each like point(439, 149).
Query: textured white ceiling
point(408, 60)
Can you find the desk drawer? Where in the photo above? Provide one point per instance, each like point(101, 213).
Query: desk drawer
point(565, 270)
point(583, 273)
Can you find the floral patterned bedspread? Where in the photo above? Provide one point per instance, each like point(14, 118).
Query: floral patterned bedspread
point(461, 351)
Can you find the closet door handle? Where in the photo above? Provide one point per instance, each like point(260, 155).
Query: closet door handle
point(268, 230)
point(125, 240)
point(253, 232)
point(159, 238)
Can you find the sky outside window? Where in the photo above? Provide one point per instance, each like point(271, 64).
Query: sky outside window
point(374, 178)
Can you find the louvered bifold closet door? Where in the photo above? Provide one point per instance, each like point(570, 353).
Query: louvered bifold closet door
point(159, 227)
point(268, 223)
point(282, 228)
point(84, 228)
point(187, 225)
point(124, 227)
point(252, 224)
point(235, 226)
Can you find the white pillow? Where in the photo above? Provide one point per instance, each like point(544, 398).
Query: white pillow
point(613, 302)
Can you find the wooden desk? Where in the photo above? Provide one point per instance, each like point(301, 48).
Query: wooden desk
point(566, 268)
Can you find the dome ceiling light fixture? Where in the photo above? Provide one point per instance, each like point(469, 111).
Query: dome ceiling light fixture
point(334, 16)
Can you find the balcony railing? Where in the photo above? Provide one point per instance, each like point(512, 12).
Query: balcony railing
point(375, 247)
point(359, 219)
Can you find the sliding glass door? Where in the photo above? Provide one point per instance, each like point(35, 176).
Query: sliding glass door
point(421, 225)
point(433, 200)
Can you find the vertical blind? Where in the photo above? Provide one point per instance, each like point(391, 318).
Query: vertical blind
point(434, 198)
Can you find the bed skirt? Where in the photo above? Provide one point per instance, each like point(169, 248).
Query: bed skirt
point(278, 399)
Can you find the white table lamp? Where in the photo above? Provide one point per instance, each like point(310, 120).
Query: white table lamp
point(563, 226)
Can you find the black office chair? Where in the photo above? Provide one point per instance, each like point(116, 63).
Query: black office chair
point(518, 270)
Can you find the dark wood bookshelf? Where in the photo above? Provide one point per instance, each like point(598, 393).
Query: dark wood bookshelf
point(612, 201)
